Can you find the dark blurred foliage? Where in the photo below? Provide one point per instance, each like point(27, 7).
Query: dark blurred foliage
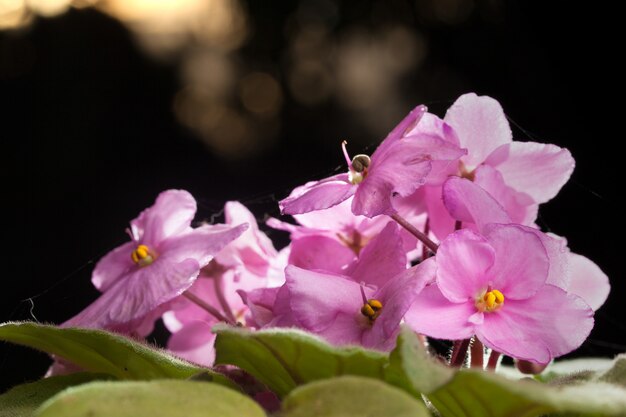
point(94, 131)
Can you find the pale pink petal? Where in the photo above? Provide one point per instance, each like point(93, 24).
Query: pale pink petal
point(481, 126)
point(469, 203)
point(318, 195)
point(406, 125)
point(194, 342)
point(399, 294)
point(381, 259)
point(588, 281)
point(434, 315)
point(537, 169)
point(170, 215)
point(113, 266)
point(320, 253)
point(558, 254)
point(549, 324)
point(200, 244)
point(521, 265)
point(463, 261)
point(520, 207)
point(137, 294)
point(317, 298)
point(400, 169)
point(440, 223)
point(260, 303)
point(346, 329)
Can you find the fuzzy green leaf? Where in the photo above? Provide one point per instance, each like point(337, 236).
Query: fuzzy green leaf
point(164, 398)
point(101, 351)
point(285, 358)
point(22, 400)
point(349, 396)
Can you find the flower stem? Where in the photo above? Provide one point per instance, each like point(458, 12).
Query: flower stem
point(477, 352)
point(217, 284)
point(210, 309)
point(426, 231)
point(459, 352)
point(415, 232)
point(494, 360)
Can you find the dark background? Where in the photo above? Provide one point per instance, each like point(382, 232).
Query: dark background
point(90, 132)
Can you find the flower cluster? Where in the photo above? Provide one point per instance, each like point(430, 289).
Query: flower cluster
point(436, 229)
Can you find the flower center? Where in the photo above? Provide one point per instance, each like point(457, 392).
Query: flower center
point(490, 301)
point(143, 256)
point(465, 173)
point(358, 165)
point(372, 309)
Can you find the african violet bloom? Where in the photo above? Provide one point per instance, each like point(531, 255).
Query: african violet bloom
point(399, 166)
point(494, 286)
point(162, 260)
point(246, 263)
point(520, 175)
point(475, 208)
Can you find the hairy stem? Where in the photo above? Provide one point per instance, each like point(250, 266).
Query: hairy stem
point(477, 352)
point(209, 308)
point(415, 232)
point(459, 352)
point(494, 360)
point(219, 292)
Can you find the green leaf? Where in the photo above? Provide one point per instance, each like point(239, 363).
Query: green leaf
point(101, 351)
point(285, 358)
point(474, 393)
point(350, 396)
point(412, 369)
point(617, 373)
point(165, 398)
point(22, 400)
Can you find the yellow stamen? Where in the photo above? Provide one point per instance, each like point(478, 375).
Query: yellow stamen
point(489, 301)
point(372, 309)
point(142, 256)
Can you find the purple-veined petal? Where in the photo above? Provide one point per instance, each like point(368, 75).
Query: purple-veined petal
point(137, 294)
point(318, 195)
point(537, 169)
point(549, 324)
point(521, 264)
point(468, 203)
point(588, 281)
point(481, 126)
point(113, 266)
point(434, 315)
point(463, 261)
point(320, 253)
point(260, 303)
point(170, 215)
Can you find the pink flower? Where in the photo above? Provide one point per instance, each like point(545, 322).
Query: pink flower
point(494, 286)
point(399, 166)
point(475, 208)
point(520, 175)
point(161, 261)
point(243, 264)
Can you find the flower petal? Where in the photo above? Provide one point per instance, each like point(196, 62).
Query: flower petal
point(537, 169)
point(201, 244)
point(137, 294)
point(170, 215)
point(463, 260)
point(381, 259)
point(194, 342)
point(469, 203)
point(434, 315)
point(549, 324)
point(318, 195)
point(113, 266)
point(521, 265)
point(481, 126)
point(588, 281)
point(320, 253)
point(316, 298)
